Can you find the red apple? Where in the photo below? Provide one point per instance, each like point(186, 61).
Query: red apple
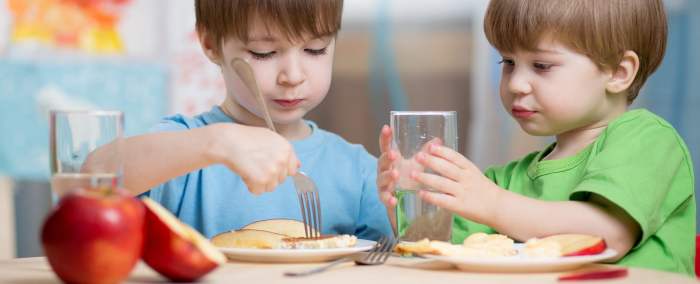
point(578, 244)
point(174, 249)
point(94, 236)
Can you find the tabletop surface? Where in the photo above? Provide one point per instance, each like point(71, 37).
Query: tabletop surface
point(36, 270)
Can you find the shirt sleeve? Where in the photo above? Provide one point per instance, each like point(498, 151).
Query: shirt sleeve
point(641, 168)
point(372, 221)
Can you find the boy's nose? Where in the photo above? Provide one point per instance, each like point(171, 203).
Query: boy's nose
point(518, 83)
point(291, 73)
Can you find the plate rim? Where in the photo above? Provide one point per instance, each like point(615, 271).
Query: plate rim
point(358, 247)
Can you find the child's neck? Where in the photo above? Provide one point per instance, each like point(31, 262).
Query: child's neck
point(292, 131)
point(572, 142)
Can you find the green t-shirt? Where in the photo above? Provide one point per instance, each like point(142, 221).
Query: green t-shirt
point(639, 163)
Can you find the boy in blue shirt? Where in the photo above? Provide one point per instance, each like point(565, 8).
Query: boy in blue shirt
point(210, 170)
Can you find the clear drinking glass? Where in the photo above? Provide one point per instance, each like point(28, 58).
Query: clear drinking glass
point(412, 130)
point(74, 136)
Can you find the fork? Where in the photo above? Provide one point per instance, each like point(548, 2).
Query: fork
point(307, 192)
point(310, 204)
point(377, 255)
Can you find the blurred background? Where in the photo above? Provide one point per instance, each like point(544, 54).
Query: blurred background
point(142, 57)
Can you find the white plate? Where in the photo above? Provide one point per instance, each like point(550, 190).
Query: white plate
point(523, 263)
point(295, 255)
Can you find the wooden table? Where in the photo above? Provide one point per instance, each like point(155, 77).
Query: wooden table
point(37, 271)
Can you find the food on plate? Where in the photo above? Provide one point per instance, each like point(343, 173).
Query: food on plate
point(174, 249)
point(564, 245)
point(490, 244)
point(279, 234)
point(423, 246)
point(323, 242)
point(496, 245)
point(248, 238)
point(476, 245)
point(288, 227)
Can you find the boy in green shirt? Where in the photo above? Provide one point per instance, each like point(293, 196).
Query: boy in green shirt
point(570, 70)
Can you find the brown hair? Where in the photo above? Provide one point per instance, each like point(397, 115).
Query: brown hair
point(600, 29)
point(294, 18)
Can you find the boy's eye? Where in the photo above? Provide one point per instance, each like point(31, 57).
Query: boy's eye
point(506, 62)
point(261, 55)
point(542, 66)
point(321, 51)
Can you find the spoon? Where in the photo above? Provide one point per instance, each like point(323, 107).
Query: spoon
point(244, 71)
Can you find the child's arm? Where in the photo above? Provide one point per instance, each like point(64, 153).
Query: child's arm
point(472, 195)
point(261, 157)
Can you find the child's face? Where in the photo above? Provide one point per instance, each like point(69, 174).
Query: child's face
point(555, 90)
point(294, 77)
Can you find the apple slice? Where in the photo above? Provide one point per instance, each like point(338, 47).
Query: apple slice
point(577, 244)
point(248, 238)
point(595, 274)
point(174, 249)
point(289, 227)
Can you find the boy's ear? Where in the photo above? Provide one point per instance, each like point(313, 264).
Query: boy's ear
point(624, 73)
point(209, 47)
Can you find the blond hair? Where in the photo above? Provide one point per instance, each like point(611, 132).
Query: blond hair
point(295, 19)
point(600, 29)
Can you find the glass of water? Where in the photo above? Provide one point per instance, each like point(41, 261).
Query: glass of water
point(75, 138)
point(412, 131)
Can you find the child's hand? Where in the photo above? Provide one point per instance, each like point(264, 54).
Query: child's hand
point(386, 174)
point(467, 191)
point(394, 170)
point(261, 157)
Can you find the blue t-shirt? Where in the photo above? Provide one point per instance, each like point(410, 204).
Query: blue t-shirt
point(215, 199)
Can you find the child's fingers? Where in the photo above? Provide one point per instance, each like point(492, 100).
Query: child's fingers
point(386, 160)
point(440, 166)
point(282, 174)
point(392, 201)
point(386, 179)
point(254, 187)
point(293, 165)
point(270, 186)
point(450, 155)
point(435, 182)
point(434, 141)
point(438, 199)
point(385, 139)
point(387, 197)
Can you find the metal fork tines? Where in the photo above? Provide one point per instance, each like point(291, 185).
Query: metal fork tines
point(309, 203)
point(377, 255)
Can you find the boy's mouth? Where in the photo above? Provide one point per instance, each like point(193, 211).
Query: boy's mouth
point(519, 112)
point(288, 103)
